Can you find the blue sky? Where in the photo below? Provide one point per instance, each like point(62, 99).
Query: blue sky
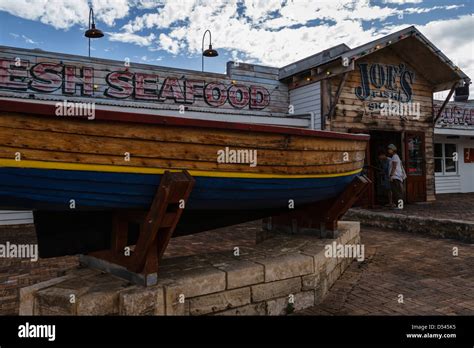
point(268, 32)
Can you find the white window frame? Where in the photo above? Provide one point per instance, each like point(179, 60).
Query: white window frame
point(443, 160)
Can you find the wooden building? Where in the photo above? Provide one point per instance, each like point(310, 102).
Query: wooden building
point(385, 89)
point(454, 147)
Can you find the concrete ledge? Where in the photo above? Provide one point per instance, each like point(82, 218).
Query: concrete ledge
point(278, 276)
point(440, 228)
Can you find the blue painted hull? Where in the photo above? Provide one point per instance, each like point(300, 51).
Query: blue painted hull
point(46, 189)
point(213, 203)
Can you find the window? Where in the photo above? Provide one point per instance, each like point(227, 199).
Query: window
point(415, 155)
point(445, 159)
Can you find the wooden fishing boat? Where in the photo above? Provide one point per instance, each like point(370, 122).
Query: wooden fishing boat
point(75, 173)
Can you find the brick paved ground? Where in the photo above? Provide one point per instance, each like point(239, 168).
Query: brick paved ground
point(456, 206)
point(214, 241)
point(18, 273)
point(422, 269)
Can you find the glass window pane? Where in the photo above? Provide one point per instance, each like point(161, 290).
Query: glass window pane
point(415, 167)
point(414, 148)
point(438, 150)
point(438, 165)
point(450, 166)
point(449, 149)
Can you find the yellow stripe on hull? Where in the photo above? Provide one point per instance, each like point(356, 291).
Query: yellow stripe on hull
point(143, 170)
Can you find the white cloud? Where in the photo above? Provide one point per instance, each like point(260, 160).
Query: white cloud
point(401, 2)
point(29, 41)
point(63, 14)
point(268, 32)
point(429, 9)
point(454, 38)
point(25, 38)
point(132, 38)
point(168, 44)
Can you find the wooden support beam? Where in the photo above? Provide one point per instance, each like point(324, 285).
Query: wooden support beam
point(156, 226)
point(318, 218)
point(322, 73)
point(332, 109)
point(344, 202)
point(441, 109)
point(119, 234)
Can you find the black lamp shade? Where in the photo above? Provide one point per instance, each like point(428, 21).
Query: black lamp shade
point(94, 33)
point(210, 52)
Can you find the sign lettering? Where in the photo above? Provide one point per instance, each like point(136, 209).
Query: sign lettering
point(49, 77)
point(385, 81)
point(455, 115)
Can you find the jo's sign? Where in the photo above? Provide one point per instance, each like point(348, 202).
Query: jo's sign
point(382, 81)
point(83, 81)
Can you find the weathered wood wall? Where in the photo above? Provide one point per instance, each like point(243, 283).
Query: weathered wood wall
point(352, 113)
point(147, 82)
point(307, 99)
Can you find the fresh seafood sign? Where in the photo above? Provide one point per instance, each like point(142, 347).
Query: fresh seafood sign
point(84, 81)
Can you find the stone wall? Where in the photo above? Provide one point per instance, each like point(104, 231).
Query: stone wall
point(429, 226)
point(281, 275)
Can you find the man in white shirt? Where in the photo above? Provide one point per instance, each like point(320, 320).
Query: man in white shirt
point(397, 176)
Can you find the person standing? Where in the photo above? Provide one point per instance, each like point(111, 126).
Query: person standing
point(385, 168)
point(397, 176)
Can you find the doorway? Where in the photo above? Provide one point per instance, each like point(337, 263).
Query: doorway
point(415, 166)
point(379, 140)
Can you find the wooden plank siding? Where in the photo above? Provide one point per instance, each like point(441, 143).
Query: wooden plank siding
point(307, 99)
point(448, 183)
point(353, 113)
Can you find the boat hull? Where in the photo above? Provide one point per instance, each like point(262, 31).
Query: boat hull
point(77, 174)
point(49, 189)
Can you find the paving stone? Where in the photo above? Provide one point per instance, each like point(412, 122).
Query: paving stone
point(280, 288)
point(310, 281)
point(279, 306)
point(287, 266)
point(331, 264)
point(349, 230)
point(197, 282)
point(142, 301)
point(251, 309)
point(27, 294)
point(219, 301)
point(241, 273)
point(54, 301)
point(283, 306)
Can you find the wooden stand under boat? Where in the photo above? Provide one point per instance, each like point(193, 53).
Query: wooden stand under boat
point(322, 217)
point(156, 229)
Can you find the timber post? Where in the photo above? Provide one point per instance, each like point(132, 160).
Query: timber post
point(157, 225)
point(316, 219)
